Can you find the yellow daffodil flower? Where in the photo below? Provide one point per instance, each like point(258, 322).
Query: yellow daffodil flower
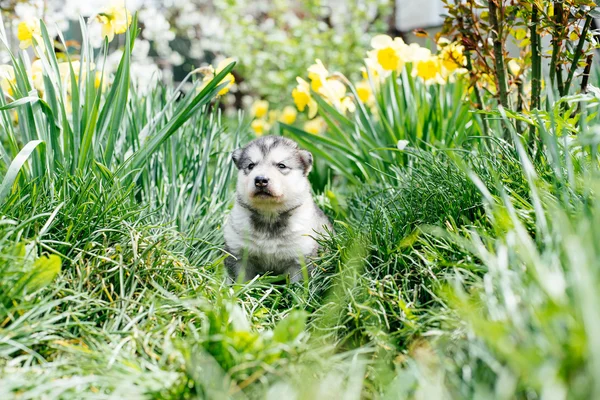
point(347, 104)
point(260, 108)
point(452, 55)
point(333, 91)
point(388, 58)
point(98, 80)
point(363, 90)
point(273, 116)
point(64, 71)
point(415, 53)
point(317, 73)
point(302, 98)
point(36, 73)
point(210, 72)
point(429, 69)
point(115, 20)
point(373, 71)
point(388, 52)
point(315, 126)
point(27, 31)
point(7, 79)
point(288, 115)
point(229, 78)
point(259, 126)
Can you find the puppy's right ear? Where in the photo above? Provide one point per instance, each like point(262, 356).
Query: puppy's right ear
point(236, 156)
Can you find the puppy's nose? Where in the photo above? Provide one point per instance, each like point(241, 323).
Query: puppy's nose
point(261, 181)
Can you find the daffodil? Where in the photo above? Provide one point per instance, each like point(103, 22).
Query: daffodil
point(98, 80)
point(414, 53)
point(388, 58)
point(273, 116)
point(229, 78)
point(372, 70)
point(315, 126)
point(429, 69)
point(27, 31)
point(452, 56)
point(115, 20)
point(288, 115)
point(36, 73)
point(64, 70)
point(333, 91)
point(347, 104)
point(259, 126)
point(317, 73)
point(363, 90)
point(388, 52)
point(7, 79)
point(260, 108)
point(302, 98)
point(210, 72)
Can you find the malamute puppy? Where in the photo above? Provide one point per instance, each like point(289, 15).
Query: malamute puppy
point(274, 219)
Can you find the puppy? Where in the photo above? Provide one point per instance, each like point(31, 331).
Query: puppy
point(274, 220)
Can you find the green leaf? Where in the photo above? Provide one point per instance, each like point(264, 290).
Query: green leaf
point(15, 168)
point(41, 275)
point(20, 102)
point(290, 327)
point(142, 155)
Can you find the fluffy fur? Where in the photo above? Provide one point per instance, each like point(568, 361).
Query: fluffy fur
point(274, 220)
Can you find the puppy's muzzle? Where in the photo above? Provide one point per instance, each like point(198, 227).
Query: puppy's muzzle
point(261, 182)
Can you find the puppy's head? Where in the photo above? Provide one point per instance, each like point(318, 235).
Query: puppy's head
point(272, 173)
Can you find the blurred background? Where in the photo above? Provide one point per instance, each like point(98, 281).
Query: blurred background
point(273, 40)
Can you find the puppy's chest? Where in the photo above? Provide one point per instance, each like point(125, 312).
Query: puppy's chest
point(278, 241)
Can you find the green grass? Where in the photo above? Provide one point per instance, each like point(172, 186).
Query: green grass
point(464, 270)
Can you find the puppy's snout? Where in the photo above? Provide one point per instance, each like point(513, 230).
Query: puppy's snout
point(261, 181)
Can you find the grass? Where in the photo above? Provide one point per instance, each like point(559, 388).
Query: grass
point(462, 269)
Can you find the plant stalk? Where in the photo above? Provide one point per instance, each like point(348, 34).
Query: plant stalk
point(586, 73)
point(536, 59)
point(577, 53)
point(478, 98)
point(498, 54)
point(555, 66)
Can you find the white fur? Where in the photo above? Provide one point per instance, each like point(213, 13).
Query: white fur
point(296, 241)
point(291, 191)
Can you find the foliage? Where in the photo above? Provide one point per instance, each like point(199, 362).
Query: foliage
point(462, 265)
point(517, 82)
point(295, 33)
point(415, 100)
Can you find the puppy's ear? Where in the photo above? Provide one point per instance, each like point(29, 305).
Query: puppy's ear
point(306, 159)
point(236, 156)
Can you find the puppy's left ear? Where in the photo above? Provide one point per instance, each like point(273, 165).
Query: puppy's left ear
point(236, 157)
point(306, 159)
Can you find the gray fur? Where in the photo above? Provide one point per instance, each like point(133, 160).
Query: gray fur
point(273, 230)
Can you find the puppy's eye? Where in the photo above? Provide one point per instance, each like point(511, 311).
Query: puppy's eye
point(281, 166)
point(251, 165)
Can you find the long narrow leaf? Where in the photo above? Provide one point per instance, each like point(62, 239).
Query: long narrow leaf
point(15, 168)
